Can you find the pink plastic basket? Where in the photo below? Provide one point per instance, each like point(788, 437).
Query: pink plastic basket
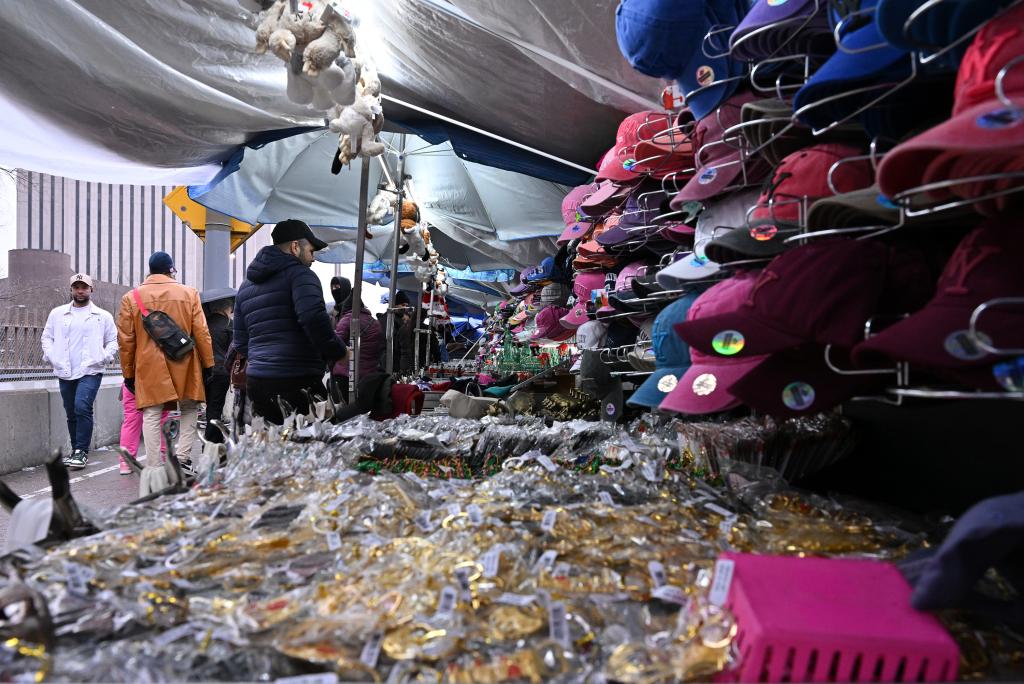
point(832, 620)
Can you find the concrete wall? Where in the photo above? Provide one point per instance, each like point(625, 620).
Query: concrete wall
point(33, 424)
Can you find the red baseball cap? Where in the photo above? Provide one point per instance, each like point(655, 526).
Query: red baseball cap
point(805, 174)
point(582, 286)
point(985, 265)
point(617, 163)
point(820, 292)
point(703, 388)
point(982, 125)
point(577, 223)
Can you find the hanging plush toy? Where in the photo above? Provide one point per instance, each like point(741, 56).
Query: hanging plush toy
point(415, 239)
point(337, 39)
point(380, 205)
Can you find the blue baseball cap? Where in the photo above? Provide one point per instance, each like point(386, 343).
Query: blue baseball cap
point(671, 354)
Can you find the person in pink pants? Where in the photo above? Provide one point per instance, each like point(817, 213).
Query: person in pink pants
point(131, 429)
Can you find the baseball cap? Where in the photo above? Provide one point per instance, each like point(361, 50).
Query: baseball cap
point(941, 24)
point(617, 164)
point(582, 286)
point(545, 272)
point(294, 229)
point(553, 293)
point(768, 126)
point(82, 278)
point(720, 163)
point(820, 292)
point(703, 387)
point(607, 197)
point(549, 327)
point(590, 335)
point(719, 217)
point(577, 223)
point(985, 265)
point(982, 128)
point(774, 29)
point(803, 176)
point(669, 151)
point(623, 282)
point(671, 354)
point(799, 382)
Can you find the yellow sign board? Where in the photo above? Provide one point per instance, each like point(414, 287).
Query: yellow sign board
point(193, 215)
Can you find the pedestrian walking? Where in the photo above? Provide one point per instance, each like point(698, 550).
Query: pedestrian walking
point(281, 326)
point(165, 354)
point(218, 306)
point(131, 429)
point(79, 339)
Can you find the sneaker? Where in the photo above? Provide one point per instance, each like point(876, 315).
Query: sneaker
point(124, 468)
point(77, 460)
point(187, 467)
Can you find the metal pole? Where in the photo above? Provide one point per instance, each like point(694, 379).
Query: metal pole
point(357, 277)
point(400, 184)
point(416, 332)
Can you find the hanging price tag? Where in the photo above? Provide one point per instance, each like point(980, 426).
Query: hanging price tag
point(547, 523)
point(722, 581)
point(333, 541)
point(476, 514)
point(424, 523)
point(454, 509)
point(558, 625)
point(449, 599)
point(335, 503)
point(371, 650)
point(491, 562)
point(670, 594)
point(545, 562)
point(606, 498)
point(548, 464)
point(657, 571)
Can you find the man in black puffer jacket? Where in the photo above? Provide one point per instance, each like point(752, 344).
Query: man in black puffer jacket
point(281, 326)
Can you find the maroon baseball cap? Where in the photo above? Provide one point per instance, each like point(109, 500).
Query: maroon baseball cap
point(799, 382)
point(577, 223)
point(804, 175)
point(703, 388)
point(821, 292)
point(607, 197)
point(720, 163)
point(986, 265)
point(549, 326)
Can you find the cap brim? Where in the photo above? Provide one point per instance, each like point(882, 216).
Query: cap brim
point(649, 394)
point(317, 243)
point(703, 388)
point(975, 131)
point(710, 180)
point(688, 267)
point(744, 335)
point(800, 383)
point(742, 242)
point(576, 231)
point(576, 317)
point(851, 209)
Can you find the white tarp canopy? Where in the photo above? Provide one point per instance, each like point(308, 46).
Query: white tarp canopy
point(482, 216)
point(163, 91)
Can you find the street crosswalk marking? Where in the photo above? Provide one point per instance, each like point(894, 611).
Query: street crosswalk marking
point(95, 473)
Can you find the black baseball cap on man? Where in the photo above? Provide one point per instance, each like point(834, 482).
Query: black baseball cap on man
point(294, 229)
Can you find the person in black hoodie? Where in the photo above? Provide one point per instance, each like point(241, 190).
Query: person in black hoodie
point(281, 326)
point(218, 305)
point(341, 288)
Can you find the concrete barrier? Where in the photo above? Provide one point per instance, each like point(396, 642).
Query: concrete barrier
point(33, 424)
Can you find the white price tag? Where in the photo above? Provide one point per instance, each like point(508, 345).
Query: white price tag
point(606, 498)
point(722, 581)
point(670, 594)
point(725, 527)
point(454, 509)
point(715, 508)
point(462, 574)
point(333, 541)
point(558, 625)
point(449, 599)
point(649, 472)
point(172, 635)
point(561, 569)
point(547, 523)
point(424, 522)
point(548, 464)
point(336, 502)
point(516, 599)
point(657, 571)
point(476, 514)
point(491, 562)
point(545, 562)
point(78, 577)
point(371, 650)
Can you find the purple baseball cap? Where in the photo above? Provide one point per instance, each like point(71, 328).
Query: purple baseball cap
point(703, 388)
point(582, 286)
point(773, 29)
point(985, 265)
point(719, 162)
point(821, 292)
point(608, 196)
point(549, 326)
point(577, 223)
point(798, 382)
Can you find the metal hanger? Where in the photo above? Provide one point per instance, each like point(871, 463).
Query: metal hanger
point(697, 91)
point(905, 197)
point(976, 316)
point(708, 42)
point(793, 33)
point(926, 7)
point(837, 32)
point(777, 87)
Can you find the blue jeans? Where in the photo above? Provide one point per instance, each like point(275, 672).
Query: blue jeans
point(79, 396)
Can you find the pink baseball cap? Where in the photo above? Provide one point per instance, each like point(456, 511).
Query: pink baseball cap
point(703, 388)
point(607, 197)
point(719, 162)
point(982, 125)
point(617, 163)
point(549, 326)
point(623, 282)
point(582, 286)
point(577, 223)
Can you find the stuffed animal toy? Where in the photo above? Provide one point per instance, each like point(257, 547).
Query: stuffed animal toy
point(414, 234)
point(337, 39)
point(423, 272)
point(295, 31)
point(380, 205)
point(356, 126)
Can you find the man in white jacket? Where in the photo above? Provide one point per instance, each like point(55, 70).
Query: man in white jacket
point(78, 341)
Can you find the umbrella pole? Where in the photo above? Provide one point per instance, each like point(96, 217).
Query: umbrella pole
point(416, 332)
point(389, 362)
point(357, 277)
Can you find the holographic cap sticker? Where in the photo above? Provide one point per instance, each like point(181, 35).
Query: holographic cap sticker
point(763, 233)
point(798, 396)
point(1010, 374)
point(728, 342)
point(962, 345)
